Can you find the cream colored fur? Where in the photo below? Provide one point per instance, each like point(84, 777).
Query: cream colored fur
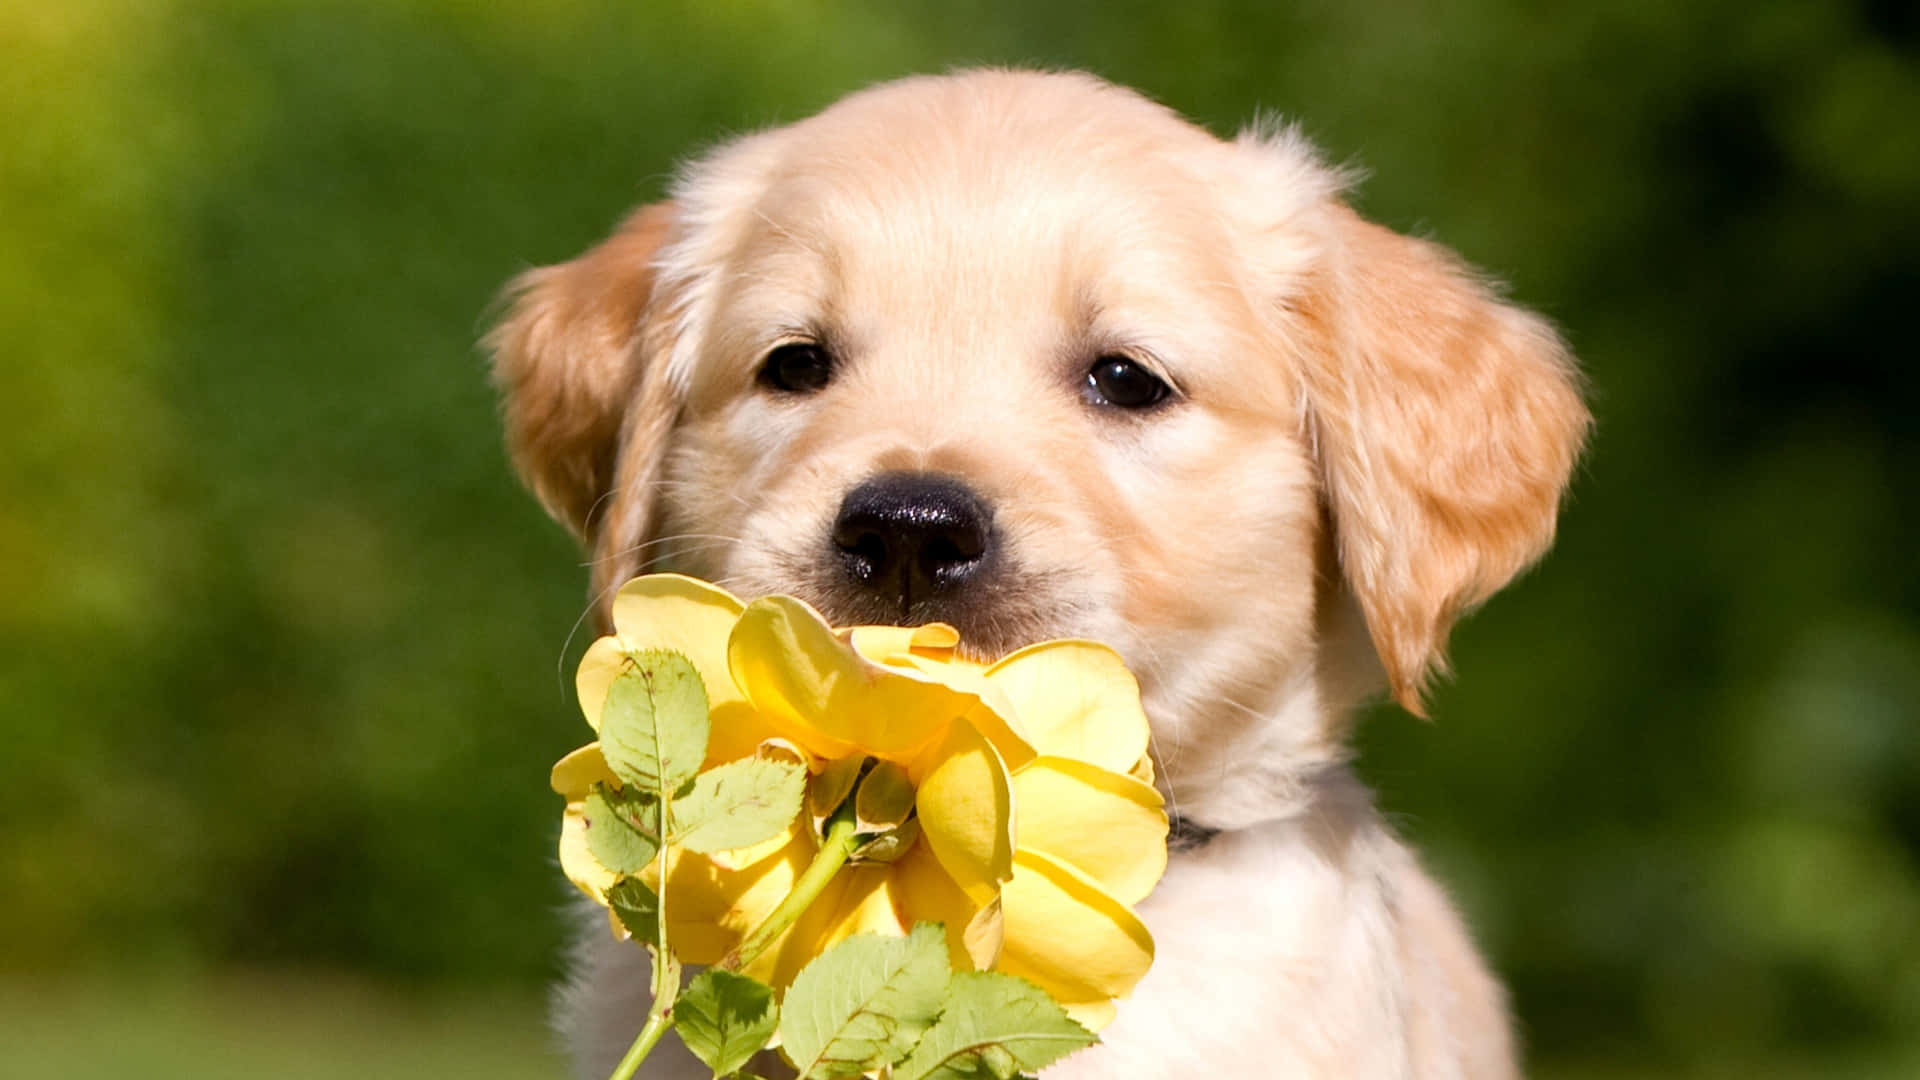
point(1366, 443)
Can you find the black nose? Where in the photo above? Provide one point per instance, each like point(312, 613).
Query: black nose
point(909, 537)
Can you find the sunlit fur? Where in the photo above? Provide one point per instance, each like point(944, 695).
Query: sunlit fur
point(1365, 442)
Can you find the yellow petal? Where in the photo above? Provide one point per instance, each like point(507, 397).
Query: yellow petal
point(867, 906)
point(576, 861)
point(922, 892)
point(693, 618)
point(668, 611)
point(1075, 699)
point(1143, 769)
point(581, 769)
point(1092, 1015)
point(605, 660)
point(895, 644)
point(710, 907)
point(1066, 935)
point(990, 718)
point(740, 858)
point(986, 932)
point(959, 674)
point(777, 749)
point(1110, 827)
point(994, 715)
point(737, 731)
point(825, 696)
point(965, 803)
point(859, 900)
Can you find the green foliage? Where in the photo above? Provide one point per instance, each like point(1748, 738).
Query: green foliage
point(638, 908)
point(653, 734)
point(734, 805)
point(874, 1002)
point(623, 831)
point(996, 1026)
point(725, 1019)
point(864, 1003)
point(737, 804)
point(246, 1026)
point(654, 726)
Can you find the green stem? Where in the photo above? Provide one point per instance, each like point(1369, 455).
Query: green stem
point(834, 850)
point(657, 1025)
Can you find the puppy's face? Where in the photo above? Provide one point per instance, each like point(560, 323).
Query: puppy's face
point(1005, 378)
point(1029, 355)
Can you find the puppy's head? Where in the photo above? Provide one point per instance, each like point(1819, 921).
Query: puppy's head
point(1028, 354)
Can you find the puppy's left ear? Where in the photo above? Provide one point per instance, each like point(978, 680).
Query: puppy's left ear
point(568, 361)
point(1446, 422)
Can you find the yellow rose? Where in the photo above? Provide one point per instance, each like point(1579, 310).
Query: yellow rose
point(1032, 829)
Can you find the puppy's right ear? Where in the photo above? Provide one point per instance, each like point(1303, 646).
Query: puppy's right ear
point(568, 362)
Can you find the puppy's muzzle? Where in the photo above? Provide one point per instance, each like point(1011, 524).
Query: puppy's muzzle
point(908, 540)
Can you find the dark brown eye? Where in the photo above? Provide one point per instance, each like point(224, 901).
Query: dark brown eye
point(1119, 381)
point(800, 368)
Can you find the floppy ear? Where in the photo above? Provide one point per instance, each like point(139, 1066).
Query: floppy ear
point(1446, 422)
point(568, 362)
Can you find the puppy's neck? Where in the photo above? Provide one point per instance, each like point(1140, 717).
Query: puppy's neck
point(1227, 765)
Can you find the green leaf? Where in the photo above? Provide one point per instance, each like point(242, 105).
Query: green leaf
point(737, 804)
point(637, 907)
point(994, 1025)
point(654, 726)
point(725, 1018)
point(864, 1003)
point(621, 834)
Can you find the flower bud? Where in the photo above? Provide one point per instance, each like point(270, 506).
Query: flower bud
point(828, 790)
point(889, 845)
point(885, 798)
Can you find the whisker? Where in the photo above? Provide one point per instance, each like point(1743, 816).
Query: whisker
point(718, 538)
point(1160, 770)
point(560, 661)
point(703, 488)
point(597, 504)
point(655, 561)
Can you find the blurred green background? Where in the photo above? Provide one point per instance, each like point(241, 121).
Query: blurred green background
point(283, 647)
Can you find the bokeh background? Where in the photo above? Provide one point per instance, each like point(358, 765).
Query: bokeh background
point(283, 648)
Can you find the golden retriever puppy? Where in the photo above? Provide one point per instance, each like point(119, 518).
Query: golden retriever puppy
point(1029, 354)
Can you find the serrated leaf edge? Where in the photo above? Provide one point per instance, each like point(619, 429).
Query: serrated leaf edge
point(806, 1071)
